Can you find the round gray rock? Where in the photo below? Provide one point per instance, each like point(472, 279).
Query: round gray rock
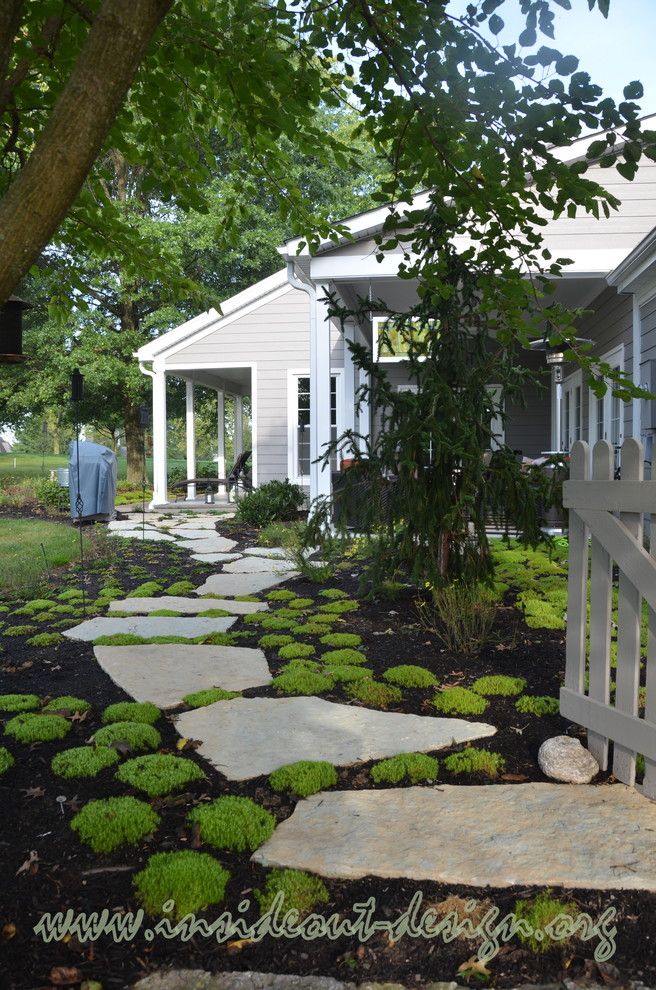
point(563, 758)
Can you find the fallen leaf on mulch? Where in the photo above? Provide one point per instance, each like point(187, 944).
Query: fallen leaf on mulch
point(31, 865)
point(238, 945)
point(473, 967)
point(9, 930)
point(33, 792)
point(64, 976)
point(185, 744)
point(514, 778)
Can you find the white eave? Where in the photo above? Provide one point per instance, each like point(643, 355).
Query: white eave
point(636, 265)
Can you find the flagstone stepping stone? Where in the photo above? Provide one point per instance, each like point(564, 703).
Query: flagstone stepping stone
point(192, 534)
point(499, 835)
point(146, 534)
point(149, 625)
point(189, 606)
point(209, 544)
point(165, 674)
point(199, 523)
point(277, 553)
point(253, 736)
point(257, 565)
point(120, 524)
point(231, 585)
point(215, 558)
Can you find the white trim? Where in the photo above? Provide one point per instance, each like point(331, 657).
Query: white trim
point(293, 374)
point(612, 357)
point(572, 382)
point(190, 431)
point(636, 335)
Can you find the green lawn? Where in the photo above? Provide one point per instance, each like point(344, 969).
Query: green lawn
point(36, 466)
point(29, 548)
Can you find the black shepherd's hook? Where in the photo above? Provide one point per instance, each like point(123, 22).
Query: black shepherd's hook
point(77, 394)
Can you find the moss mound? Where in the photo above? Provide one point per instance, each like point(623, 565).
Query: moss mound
point(83, 761)
point(275, 639)
point(347, 673)
point(499, 684)
point(340, 640)
point(136, 735)
point(45, 639)
point(67, 703)
point(6, 760)
point(110, 823)
point(301, 681)
point(538, 704)
point(341, 657)
point(234, 823)
point(199, 699)
point(333, 593)
point(410, 675)
point(281, 595)
point(414, 767)
point(295, 651)
point(374, 694)
point(180, 588)
point(301, 891)
point(473, 760)
point(339, 607)
point(19, 702)
point(146, 590)
point(19, 631)
point(132, 711)
point(304, 777)
point(308, 629)
point(194, 881)
point(460, 701)
point(28, 727)
point(159, 773)
point(300, 603)
point(540, 912)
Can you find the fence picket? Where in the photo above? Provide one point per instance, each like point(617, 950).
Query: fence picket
point(628, 622)
point(649, 783)
point(577, 580)
point(601, 577)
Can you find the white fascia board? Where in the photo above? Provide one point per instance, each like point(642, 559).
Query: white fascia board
point(629, 270)
point(150, 351)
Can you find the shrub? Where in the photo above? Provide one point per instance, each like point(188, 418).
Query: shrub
point(52, 494)
point(131, 711)
point(374, 694)
point(301, 681)
point(275, 639)
point(538, 705)
point(333, 593)
point(199, 699)
point(180, 588)
point(339, 607)
point(83, 761)
point(28, 727)
point(6, 760)
point(301, 891)
point(45, 639)
point(18, 702)
point(192, 880)
point(146, 590)
point(276, 501)
point(136, 735)
point(341, 639)
point(540, 912)
point(474, 760)
point(67, 703)
point(499, 684)
point(233, 823)
point(415, 767)
point(107, 824)
point(459, 701)
point(341, 657)
point(304, 777)
point(410, 675)
point(159, 773)
point(294, 651)
point(465, 615)
point(346, 673)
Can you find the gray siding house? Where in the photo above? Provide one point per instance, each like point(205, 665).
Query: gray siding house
point(275, 343)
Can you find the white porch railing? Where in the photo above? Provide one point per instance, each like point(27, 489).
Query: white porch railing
point(606, 526)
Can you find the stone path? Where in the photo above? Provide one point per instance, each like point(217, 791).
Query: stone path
point(247, 737)
point(190, 606)
point(242, 584)
point(498, 835)
point(165, 674)
point(149, 626)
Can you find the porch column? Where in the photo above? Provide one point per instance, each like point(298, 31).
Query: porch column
point(220, 464)
point(349, 384)
point(320, 482)
point(364, 414)
point(160, 466)
point(238, 425)
point(191, 437)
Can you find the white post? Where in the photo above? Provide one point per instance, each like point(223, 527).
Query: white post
point(364, 416)
point(191, 438)
point(160, 466)
point(239, 425)
point(220, 464)
point(636, 404)
point(320, 481)
point(349, 382)
point(557, 380)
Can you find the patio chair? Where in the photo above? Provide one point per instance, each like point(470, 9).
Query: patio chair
point(238, 477)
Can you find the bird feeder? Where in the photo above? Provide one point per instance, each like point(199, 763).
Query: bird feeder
point(11, 331)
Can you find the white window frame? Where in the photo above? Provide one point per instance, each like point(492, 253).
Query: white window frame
point(293, 376)
point(570, 384)
point(614, 358)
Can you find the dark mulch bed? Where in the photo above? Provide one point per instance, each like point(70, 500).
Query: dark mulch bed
point(68, 876)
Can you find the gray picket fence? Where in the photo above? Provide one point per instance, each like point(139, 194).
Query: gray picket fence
point(606, 527)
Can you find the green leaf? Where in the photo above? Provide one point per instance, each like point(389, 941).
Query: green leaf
point(496, 24)
point(566, 65)
point(634, 90)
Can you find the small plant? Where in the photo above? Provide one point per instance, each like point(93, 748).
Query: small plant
point(540, 912)
point(6, 760)
point(45, 639)
point(52, 494)
point(414, 767)
point(199, 699)
point(459, 701)
point(375, 694)
point(333, 593)
point(474, 760)
point(531, 704)
point(301, 891)
point(294, 651)
point(339, 607)
point(346, 673)
point(233, 823)
point(180, 588)
point(304, 777)
point(462, 615)
point(146, 590)
point(192, 880)
point(410, 675)
point(276, 501)
point(499, 684)
point(275, 639)
point(135, 735)
point(159, 773)
point(29, 728)
point(67, 704)
point(107, 824)
point(19, 702)
point(131, 711)
point(341, 657)
point(301, 681)
point(341, 639)
point(83, 761)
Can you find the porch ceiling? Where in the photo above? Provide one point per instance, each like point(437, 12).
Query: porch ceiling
point(237, 381)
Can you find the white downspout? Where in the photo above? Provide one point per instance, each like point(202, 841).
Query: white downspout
point(308, 288)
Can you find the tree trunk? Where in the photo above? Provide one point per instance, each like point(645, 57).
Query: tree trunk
point(41, 194)
point(134, 440)
point(52, 420)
